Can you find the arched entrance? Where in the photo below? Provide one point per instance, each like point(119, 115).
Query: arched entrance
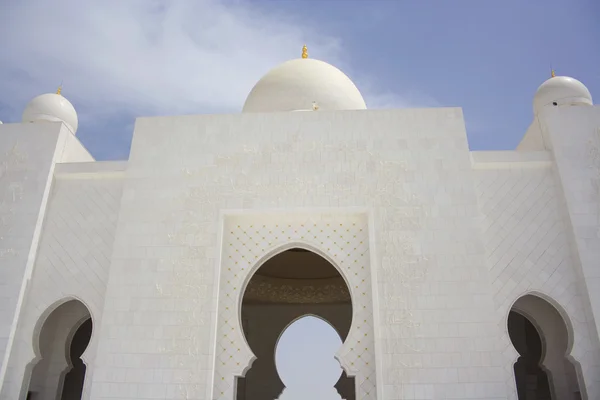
point(249, 242)
point(295, 291)
point(57, 372)
point(541, 336)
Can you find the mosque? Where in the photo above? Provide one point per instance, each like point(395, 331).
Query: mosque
point(447, 273)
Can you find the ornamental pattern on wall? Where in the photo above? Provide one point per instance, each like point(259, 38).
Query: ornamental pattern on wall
point(274, 290)
point(248, 241)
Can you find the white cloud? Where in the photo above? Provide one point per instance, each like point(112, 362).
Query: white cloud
point(153, 57)
point(148, 56)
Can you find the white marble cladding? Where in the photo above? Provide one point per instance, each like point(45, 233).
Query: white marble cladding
point(27, 155)
point(438, 332)
point(575, 135)
point(529, 251)
point(72, 263)
point(249, 241)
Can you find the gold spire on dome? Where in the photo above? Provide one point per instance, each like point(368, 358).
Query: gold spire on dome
point(59, 90)
point(304, 51)
point(552, 73)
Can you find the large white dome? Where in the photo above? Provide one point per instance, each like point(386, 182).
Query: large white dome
point(561, 91)
point(301, 84)
point(51, 107)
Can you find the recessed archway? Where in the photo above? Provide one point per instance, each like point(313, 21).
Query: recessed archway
point(60, 339)
point(543, 339)
point(291, 285)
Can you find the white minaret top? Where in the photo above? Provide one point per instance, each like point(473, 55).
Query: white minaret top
point(51, 107)
point(561, 91)
point(300, 84)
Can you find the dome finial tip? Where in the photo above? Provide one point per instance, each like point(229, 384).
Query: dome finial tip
point(304, 51)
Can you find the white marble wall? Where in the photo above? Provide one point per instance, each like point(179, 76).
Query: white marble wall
point(575, 136)
point(27, 155)
point(529, 250)
point(454, 240)
point(72, 260)
point(436, 321)
point(46, 378)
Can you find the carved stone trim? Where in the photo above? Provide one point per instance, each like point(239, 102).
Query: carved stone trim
point(296, 291)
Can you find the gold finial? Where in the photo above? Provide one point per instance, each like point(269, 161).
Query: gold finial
point(552, 73)
point(59, 89)
point(304, 51)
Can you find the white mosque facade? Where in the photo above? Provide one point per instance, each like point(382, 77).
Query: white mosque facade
point(447, 273)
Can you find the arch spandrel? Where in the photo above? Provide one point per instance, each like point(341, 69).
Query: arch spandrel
point(248, 243)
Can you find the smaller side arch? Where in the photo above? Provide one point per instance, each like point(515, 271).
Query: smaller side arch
point(556, 340)
point(50, 341)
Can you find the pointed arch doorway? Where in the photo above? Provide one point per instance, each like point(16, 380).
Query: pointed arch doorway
point(297, 293)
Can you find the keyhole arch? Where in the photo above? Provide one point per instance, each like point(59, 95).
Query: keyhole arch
point(291, 283)
point(243, 357)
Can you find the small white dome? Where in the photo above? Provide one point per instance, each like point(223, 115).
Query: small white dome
point(51, 107)
point(561, 91)
point(304, 84)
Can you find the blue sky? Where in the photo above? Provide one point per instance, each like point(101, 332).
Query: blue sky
point(120, 60)
point(304, 358)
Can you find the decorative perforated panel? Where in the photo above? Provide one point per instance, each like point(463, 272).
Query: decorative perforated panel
point(248, 241)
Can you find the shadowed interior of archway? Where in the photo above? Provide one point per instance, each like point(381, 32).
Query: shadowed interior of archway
point(288, 286)
point(532, 380)
point(74, 379)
